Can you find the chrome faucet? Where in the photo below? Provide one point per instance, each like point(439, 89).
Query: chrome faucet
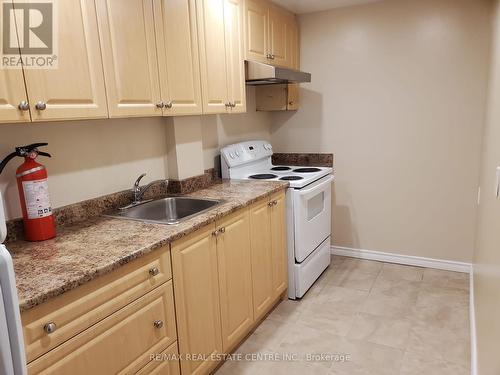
point(139, 191)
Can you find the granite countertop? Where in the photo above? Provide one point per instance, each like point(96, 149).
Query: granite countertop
point(83, 251)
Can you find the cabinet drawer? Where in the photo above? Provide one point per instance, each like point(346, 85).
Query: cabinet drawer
point(120, 344)
point(77, 310)
point(167, 363)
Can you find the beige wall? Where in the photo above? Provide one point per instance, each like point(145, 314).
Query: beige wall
point(398, 94)
point(98, 157)
point(90, 158)
point(487, 255)
point(219, 131)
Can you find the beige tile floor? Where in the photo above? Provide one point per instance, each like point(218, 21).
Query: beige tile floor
point(384, 318)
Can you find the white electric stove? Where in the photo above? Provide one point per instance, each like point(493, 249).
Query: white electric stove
point(308, 203)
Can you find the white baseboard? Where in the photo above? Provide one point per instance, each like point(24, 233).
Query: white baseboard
point(472, 317)
point(409, 260)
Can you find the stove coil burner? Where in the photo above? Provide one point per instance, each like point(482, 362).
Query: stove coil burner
point(281, 168)
point(307, 170)
point(263, 176)
point(291, 178)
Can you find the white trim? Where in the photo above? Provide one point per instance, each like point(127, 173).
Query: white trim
point(409, 260)
point(472, 315)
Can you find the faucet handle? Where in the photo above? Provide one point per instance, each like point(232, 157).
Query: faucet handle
point(137, 182)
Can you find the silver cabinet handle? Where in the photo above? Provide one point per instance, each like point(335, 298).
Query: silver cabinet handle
point(160, 105)
point(24, 106)
point(50, 327)
point(41, 106)
point(154, 271)
point(222, 230)
point(169, 104)
point(215, 233)
point(233, 104)
point(268, 56)
point(228, 104)
point(158, 324)
point(270, 204)
point(272, 57)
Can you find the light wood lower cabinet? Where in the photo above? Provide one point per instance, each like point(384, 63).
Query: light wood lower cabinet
point(120, 344)
point(235, 278)
point(262, 257)
point(278, 244)
point(227, 276)
point(165, 363)
point(194, 263)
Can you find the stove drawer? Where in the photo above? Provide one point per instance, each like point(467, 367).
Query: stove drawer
point(312, 211)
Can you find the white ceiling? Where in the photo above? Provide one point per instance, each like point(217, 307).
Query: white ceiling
point(302, 6)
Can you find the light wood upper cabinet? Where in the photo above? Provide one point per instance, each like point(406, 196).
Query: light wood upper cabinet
point(195, 275)
point(278, 244)
point(221, 57)
point(233, 23)
point(278, 34)
point(129, 55)
point(262, 268)
point(12, 93)
point(271, 34)
point(76, 88)
point(178, 57)
point(214, 84)
point(235, 278)
point(256, 27)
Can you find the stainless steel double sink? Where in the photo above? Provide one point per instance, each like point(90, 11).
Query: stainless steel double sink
point(168, 211)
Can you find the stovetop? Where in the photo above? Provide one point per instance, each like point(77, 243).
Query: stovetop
point(252, 161)
point(298, 177)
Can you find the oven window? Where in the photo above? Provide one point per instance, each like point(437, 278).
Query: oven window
point(315, 205)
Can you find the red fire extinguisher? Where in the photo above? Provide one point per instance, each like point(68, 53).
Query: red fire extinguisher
point(38, 220)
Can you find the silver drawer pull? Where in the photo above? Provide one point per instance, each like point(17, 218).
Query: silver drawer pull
point(50, 327)
point(158, 324)
point(169, 104)
point(41, 106)
point(154, 271)
point(160, 105)
point(222, 230)
point(270, 204)
point(23, 106)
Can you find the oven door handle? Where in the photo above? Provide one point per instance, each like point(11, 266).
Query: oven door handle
point(312, 190)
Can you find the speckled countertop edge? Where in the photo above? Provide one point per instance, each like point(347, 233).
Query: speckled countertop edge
point(89, 249)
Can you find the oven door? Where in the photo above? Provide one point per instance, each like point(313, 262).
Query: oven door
point(312, 216)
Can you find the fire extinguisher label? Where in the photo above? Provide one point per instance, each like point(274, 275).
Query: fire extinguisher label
point(36, 195)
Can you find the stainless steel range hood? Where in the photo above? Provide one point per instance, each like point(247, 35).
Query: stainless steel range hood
point(264, 74)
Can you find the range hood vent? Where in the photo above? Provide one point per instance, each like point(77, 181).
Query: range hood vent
point(264, 74)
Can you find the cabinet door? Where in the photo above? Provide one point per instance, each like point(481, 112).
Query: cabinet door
point(214, 84)
point(129, 57)
point(194, 262)
point(12, 93)
point(260, 241)
point(294, 43)
point(293, 100)
point(278, 24)
point(75, 90)
point(256, 31)
point(235, 278)
point(178, 58)
point(278, 244)
point(234, 55)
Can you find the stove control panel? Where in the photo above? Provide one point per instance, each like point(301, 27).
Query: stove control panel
point(246, 152)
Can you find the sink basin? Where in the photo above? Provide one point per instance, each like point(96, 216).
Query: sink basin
point(166, 211)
